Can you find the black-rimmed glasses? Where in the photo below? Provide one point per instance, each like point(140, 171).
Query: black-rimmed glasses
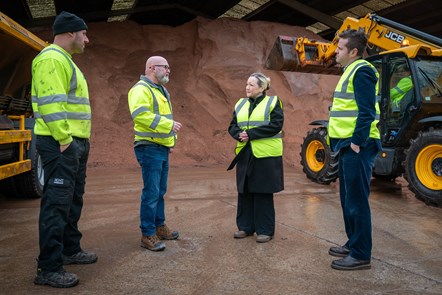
point(164, 66)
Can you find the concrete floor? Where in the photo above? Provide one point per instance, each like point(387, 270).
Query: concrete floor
point(201, 204)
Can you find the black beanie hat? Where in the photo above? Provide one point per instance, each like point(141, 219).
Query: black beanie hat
point(68, 22)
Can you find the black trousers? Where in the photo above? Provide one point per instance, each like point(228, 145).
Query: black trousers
point(62, 201)
point(256, 213)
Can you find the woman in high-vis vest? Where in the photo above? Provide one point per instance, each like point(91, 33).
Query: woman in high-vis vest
point(257, 127)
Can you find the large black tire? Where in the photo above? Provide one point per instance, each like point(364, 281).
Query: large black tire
point(25, 185)
point(423, 167)
point(389, 178)
point(318, 162)
point(30, 184)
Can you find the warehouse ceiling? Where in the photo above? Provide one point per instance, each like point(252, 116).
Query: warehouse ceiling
point(323, 17)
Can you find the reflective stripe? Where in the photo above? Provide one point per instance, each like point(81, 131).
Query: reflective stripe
point(240, 105)
point(347, 80)
point(155, 122)
point(154, 135)
point(139, 111)
point(49, 99)
point(59, 98)
point(156, 109)
point(251, 123)
point(78, 100)
point(65, 115)
point(344, 113)
point(343, 95)
point(267, 111)
point(349, 114)
point(399, 90)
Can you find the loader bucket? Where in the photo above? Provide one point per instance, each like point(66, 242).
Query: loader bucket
point(281, 57)
point(284, 56)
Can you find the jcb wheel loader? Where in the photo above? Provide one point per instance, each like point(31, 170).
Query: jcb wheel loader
point(411, 128)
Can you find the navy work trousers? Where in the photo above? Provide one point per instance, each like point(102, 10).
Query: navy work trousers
point(355, 171)
point(62, 201)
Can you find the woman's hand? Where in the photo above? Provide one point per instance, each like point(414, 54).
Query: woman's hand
point(243, 136)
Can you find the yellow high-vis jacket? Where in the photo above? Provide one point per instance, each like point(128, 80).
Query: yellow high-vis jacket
point(151, 112)
point(60, 96)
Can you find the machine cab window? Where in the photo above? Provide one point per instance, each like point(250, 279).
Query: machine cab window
point(401, 93)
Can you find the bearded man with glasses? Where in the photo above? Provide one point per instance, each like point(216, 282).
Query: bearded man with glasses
point(155, 136)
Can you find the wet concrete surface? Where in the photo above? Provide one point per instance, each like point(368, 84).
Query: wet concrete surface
point(201, 204)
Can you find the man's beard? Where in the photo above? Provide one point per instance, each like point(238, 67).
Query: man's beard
point(164, 80)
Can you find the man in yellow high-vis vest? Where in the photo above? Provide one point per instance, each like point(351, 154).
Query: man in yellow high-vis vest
point(60, 101)
point(353, 132)
point(404, 85)
point(155, 134)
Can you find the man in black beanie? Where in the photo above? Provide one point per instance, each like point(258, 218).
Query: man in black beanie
point(60, 101)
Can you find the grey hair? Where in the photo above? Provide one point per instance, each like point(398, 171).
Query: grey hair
point(263, 80)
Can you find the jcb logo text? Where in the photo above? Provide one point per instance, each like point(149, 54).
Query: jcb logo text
point(394, 36)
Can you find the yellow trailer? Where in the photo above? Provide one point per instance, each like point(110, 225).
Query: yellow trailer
point(21, 172)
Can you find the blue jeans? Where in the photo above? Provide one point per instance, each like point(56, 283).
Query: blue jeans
point(154, 162)
point(354, 187)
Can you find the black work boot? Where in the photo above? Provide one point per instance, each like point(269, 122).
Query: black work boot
point(81, 257)
point(56, 279)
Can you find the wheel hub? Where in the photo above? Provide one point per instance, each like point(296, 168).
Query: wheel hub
point(436, 166)
point(320, 155)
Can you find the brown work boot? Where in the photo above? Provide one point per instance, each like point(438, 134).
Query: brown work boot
point(164, 233)
point(152, 243)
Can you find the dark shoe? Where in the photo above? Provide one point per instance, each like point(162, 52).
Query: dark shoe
point(81, 257)
point(350, 263)
point(56, 279)
point(152, 243)
point(241, 234)
point(341, 251)
point(164, 233)
point(263, 238)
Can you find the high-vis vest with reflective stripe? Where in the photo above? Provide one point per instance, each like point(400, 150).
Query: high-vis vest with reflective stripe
point(60, 96)
point(151, 112)
point(264, 147)
point(399, 91)
point(344, 110)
